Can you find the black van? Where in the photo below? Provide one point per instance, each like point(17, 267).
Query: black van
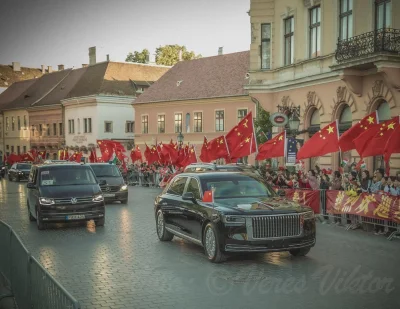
point(64, 193)
point(114, 188)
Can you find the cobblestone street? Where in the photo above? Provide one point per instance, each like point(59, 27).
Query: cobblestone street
point(123, 265)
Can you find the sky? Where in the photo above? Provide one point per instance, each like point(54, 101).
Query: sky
point(53, 32)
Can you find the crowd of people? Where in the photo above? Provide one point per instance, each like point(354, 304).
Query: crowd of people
point(354, 182)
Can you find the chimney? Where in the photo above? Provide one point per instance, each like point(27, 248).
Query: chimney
point(92, 55)
point(16, 66)
point(220, 51)
point(84, 65)
point(180, 55)
point(43, 69)
point(60, 67)
point(108, 58)
point(50, 69)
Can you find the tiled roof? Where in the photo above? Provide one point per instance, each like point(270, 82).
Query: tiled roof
point(8, 76)
point(115, 78)
point(14, 91)
point(211, 77)
point(38, 90)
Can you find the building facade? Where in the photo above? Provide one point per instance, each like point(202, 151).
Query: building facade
point(196, 98)
point(335, 59)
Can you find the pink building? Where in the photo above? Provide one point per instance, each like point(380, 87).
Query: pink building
point(202, 97)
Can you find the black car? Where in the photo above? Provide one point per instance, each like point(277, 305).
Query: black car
point(114, 187)
point(19, 171)
point(64, 193)
point(244, 215)
point(202, 167)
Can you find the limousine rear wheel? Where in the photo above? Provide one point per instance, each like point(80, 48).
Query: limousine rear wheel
point(162, 233)
point(211, 244)
point(300, 252)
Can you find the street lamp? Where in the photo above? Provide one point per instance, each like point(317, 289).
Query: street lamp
point(294, 122)
point(180, 138)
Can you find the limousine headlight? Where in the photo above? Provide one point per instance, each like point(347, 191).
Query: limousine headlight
point(98, 198)
point(309, 215)
point(124, 188)
point(233, 220)
point(46, 201)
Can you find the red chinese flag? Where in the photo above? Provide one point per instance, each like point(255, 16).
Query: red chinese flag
point(93, 156)
point(392, 144)
point(274, 148)
point(107, 150)
point(136, 154)
point(323, 142)
point(373, 141)
point(78, 157)
point(151, 155)
point(208, 197)
point(238, 133)
point(190, 157)
point(204, 157)
point(217, 148)
point(346, 141)
point(246, 147)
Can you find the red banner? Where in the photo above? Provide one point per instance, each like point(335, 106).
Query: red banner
point(309, 198)
point(377, 206)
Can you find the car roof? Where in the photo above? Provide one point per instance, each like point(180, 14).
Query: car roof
point(69, 164)
point(100, 163)
point(214, 174)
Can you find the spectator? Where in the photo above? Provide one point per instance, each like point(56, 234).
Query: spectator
point(366, 182)
point(377, 181)
point(337, 181)
point(312, 180)
point(325, 182)
point(389, 187)
point(396, 185)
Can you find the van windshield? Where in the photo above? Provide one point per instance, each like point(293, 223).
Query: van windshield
point(67, 176)
point(106, 170)
point(24, 166)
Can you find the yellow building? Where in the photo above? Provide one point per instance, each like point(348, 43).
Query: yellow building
point(335, 59)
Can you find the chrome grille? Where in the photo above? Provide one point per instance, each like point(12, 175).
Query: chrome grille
point(112, 188)
point(79, 200)
point(276, 226)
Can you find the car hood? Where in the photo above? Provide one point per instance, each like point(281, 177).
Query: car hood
point(69, 191)
point(270, 205)
point(112, 181)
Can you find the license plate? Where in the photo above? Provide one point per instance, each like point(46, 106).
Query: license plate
point(74, 217)
point(109, 195)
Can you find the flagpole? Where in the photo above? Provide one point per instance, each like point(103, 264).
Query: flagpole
point(227, 149)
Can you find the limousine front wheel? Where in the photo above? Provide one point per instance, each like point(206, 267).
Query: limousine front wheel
point(211, 244)
point(39, 222)
point(162, 233)
point(300, 252)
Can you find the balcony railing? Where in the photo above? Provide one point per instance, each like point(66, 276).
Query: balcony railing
point(382, 41)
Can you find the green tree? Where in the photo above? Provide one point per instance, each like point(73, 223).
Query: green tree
point(169, 54)
point(138, 57)
point(262, 125)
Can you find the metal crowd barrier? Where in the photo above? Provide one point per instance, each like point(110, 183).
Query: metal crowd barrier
point(143, 179)
point(32, 286)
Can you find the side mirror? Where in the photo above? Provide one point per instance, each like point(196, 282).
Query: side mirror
point(102, 182)
point(188, 196)
point(31, 185)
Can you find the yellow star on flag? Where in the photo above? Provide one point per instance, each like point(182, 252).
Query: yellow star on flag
point(280, 138)
point(391, 126)
point(371, 120)
point(330, 129)
point(247, 140)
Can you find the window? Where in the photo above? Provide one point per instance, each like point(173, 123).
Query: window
point(193, 187)
point(265, 46)
point(178, 123)
point(25, 122)
point(12, 123)
point(145, 124)
point(130, 127)
point(219, 121)
point(315, 32)
point(383, 14)
point(19, 123)
point(7, 124)
point(87, 123)
point(241, 114)
point(54, 129)
point(161, 123)
point(18, 150)
point(108, 126)
point(48, 129)
point(60, 129)
point(177, 186)
point(40, 129)
point(346, 19)
point(289, 40)
point(12, 149)
point(24, 149)
point(198, 122)
point(79, 126)
point(71, 126)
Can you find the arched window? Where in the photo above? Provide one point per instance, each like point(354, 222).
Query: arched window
point(188, 123)
point(383, 115)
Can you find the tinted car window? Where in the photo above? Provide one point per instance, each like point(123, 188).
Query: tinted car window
point(238, 186)
point(106, 170)
point(193, 187)
point(24, 166)
point(66, 176)
point(177, 186)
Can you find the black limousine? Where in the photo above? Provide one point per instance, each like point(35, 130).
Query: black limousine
point(229, 212)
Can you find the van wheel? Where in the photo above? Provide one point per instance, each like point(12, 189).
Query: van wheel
point(39, 222)
point(31, 218)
